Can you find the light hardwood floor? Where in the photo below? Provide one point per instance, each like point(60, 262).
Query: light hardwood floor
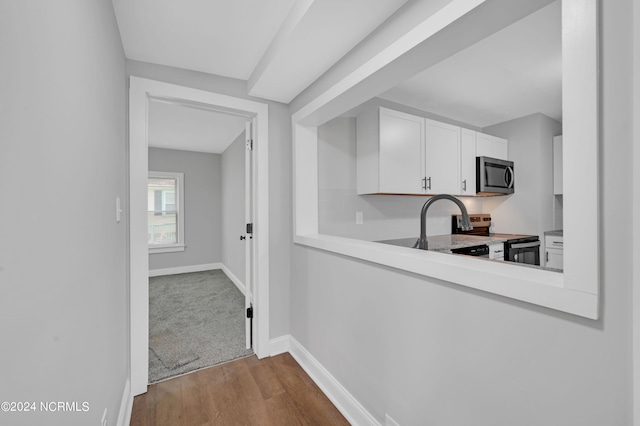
point(271, 391)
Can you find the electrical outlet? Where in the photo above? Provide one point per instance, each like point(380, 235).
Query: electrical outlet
point(104, 418)
point(359, 218)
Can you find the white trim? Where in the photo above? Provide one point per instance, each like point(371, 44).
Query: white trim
point(279, 345)
point(635, 329)
point(126, 405)
point(481, 274)
point(233, 278)
point(184, 269)
point(577, 290)
point(140, 92)
point(349, 406)
point(166, 248)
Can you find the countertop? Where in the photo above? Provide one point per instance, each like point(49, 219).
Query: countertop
point(446, 243)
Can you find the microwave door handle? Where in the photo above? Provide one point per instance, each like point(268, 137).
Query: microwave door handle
point(508, 176)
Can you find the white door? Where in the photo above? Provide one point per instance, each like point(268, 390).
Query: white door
point(248, 215)
point(554, 258)
point(442, 157)
point(401, 152)
point(491, 146)
point(467, 162)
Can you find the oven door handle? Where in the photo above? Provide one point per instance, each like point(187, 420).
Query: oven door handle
point(525, 245)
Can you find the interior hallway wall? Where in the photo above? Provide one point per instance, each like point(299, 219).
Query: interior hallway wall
point(233, 208)
point(430, 352)
point(63, 260)
point(202, 205)
point(280, 214)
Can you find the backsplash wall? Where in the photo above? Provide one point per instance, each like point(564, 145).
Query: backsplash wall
point(385, 216)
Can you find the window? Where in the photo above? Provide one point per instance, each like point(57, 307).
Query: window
point(165, 212)
point(575, 291)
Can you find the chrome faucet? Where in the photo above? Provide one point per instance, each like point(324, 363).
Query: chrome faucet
point(466, 223)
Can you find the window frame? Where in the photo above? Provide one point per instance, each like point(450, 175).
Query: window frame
point(179, 245)
point(577, 290)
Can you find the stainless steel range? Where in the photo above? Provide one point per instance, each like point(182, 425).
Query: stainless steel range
point(517, 248)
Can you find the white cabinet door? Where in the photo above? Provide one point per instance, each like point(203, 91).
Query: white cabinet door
point(401, 152)
point(491, 146)
point(554, 258)
point(389, 152)
point(442, 158)
point(554, 251)
point(467, 162)
point(557, 165)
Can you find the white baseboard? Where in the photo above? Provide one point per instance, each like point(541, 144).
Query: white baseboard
point(184, 269)
point(124, 416)
point(350, 408)
point(279, 345)
point(233, 278)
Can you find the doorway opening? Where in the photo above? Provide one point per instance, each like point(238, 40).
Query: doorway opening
point(142, 93)
point(199, 194)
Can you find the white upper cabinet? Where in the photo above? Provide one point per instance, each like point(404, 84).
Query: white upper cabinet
point(467, 162)
point(442, 158)
point(557, 165)
point(390, 152)
point(400, 153)
point(491, 146)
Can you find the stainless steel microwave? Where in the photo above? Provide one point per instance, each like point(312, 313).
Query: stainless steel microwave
point(494, 176)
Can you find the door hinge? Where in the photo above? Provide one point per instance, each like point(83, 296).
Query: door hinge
point(250, 144)
point(250, 312)
point(249, 228)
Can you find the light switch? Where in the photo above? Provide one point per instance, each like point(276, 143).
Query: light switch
point(118, 210)
point(359, 218)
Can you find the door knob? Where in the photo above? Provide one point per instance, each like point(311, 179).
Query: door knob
point(242, 237)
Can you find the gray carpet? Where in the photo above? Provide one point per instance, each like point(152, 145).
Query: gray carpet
point(195, 320)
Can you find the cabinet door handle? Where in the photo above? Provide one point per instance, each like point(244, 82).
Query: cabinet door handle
point(424, 183)
point(547, 257)
point(428, 183)
point(464, 185)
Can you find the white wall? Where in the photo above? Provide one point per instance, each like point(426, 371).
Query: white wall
point(233, 207)
point(531, 209)
point(63, 260)
point(280, 214)
point(385, 216)
point(428, 352)
point(202, 205)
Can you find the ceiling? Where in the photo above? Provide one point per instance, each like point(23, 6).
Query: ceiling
point(280, 47)
point(173, 126)
point(512, 73)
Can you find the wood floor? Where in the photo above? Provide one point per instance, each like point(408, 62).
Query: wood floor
point(271, 391)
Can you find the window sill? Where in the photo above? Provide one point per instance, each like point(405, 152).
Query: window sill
point(537, 286)
point(167, 248)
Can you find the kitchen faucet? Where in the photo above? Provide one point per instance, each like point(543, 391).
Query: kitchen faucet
point(465, 225)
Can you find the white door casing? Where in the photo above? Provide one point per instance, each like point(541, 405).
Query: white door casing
point(140, 92)
point(248, 215)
